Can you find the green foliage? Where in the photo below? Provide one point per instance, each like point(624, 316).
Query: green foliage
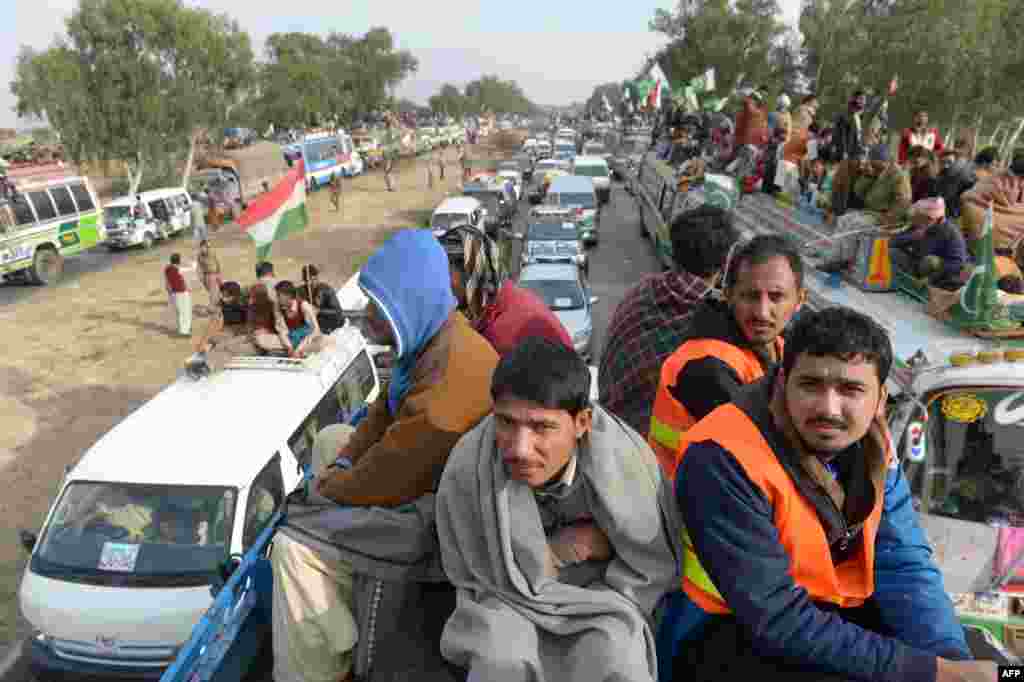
point(134, 79)
point(449, 101)
point(491, 93)
point(308, 79)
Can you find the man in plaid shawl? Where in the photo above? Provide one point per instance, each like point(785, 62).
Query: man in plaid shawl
point(649, 323)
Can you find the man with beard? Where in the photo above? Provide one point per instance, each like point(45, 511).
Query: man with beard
point(728, 343)
point(802, 545)
point(920, 135)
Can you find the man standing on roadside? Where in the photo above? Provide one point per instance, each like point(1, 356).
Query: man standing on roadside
point(920, 135)
point(200, 232)
point(178, 295)
point(730, 343)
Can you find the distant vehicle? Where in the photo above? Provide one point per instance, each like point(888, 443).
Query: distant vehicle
point(553, 238)
point(328, 153)
point(134, 549)
point(44, 223)
point(595, 168)
point(516, 176)
point(561, 287)
point(565, 150)
point(166, 213)
point(458, 211)
point(499, 203)
point(577, 193)
point(235, 138)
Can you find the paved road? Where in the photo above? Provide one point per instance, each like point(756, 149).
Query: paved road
point(621, 258)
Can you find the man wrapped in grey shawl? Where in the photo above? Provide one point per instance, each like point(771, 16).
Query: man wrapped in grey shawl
point(515, 619)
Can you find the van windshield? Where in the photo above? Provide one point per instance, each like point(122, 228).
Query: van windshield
point(137, 534)
point(594, 170)
point(115, 213)
point(443, 221)
point(975, 468)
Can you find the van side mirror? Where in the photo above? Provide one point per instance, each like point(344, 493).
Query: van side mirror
point(28, 540)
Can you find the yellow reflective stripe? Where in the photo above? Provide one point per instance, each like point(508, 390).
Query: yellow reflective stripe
point(694, 572)
point(664, 434)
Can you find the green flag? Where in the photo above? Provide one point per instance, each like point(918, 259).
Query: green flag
point(705, 82)
point(979, 307)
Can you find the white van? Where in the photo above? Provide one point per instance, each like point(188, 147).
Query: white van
point(166, 213)
point(143, 524)
point(458, 211)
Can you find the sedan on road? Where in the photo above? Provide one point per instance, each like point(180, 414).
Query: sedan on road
point(562, 288)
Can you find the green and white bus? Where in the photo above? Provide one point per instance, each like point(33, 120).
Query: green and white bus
point(45, 222)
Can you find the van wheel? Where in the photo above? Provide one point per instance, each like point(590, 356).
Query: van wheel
point(47, 266)
point(147, 241)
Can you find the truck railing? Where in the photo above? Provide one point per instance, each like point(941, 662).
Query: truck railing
point(203, 656)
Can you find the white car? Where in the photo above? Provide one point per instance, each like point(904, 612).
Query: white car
point(146, 521)
point(561, 287)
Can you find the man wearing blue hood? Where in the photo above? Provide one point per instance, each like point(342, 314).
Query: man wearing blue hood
point(439, 390)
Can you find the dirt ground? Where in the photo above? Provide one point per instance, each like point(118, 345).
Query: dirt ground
point(80, 357)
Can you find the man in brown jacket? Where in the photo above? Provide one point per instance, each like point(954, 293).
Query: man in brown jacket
point(439, 390)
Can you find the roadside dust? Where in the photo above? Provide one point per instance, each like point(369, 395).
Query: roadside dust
point(78, 360)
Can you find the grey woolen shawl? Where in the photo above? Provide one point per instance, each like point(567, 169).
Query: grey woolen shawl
point(513, 622)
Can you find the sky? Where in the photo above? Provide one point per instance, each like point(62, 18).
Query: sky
point(557, 51)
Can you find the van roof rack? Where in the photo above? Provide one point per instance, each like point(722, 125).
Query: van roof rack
point(269, 362)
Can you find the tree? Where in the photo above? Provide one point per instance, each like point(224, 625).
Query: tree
point(610, 91)
point(491, 93)
point(135, 80)
point(738, 38)
point(308, 79)
point(449, 101)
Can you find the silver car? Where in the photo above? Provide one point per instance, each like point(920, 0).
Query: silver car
point(561, 287)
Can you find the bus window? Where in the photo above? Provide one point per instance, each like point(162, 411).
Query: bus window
point(22, 211)
point(159, 210)
point(82, 197)
point(62, 197)
point(43, 205)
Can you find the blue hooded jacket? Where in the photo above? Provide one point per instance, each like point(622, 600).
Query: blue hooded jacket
point(408, 279)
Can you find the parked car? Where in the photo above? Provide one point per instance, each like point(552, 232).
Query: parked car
point(562, 288)
point(166, 212)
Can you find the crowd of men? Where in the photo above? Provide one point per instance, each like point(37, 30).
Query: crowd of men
point(736, 477)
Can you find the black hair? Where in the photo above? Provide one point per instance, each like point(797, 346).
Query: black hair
point(858, 93)
point(264, 268)
point(285, 287)
point(231, 289)
point(808, 98)
point(1011, 284)
point(175, 259)
point(839, 332)
point(309, 272)
point(543, 372)
point(702, 239)
point(987, 156)
point(761, 249)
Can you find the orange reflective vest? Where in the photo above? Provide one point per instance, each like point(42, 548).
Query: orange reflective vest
point(669, 419)
point(847, 586)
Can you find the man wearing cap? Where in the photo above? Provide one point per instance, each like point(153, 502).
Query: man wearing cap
point(934, 249)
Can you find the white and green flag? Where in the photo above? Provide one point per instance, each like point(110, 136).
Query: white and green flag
point(278, 213)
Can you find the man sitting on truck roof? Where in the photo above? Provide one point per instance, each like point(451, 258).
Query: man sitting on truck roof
point(804, 551)
point(557, 529)
point(651, 321)
point(498, 308)
point(440, 389)
point(728, 343)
